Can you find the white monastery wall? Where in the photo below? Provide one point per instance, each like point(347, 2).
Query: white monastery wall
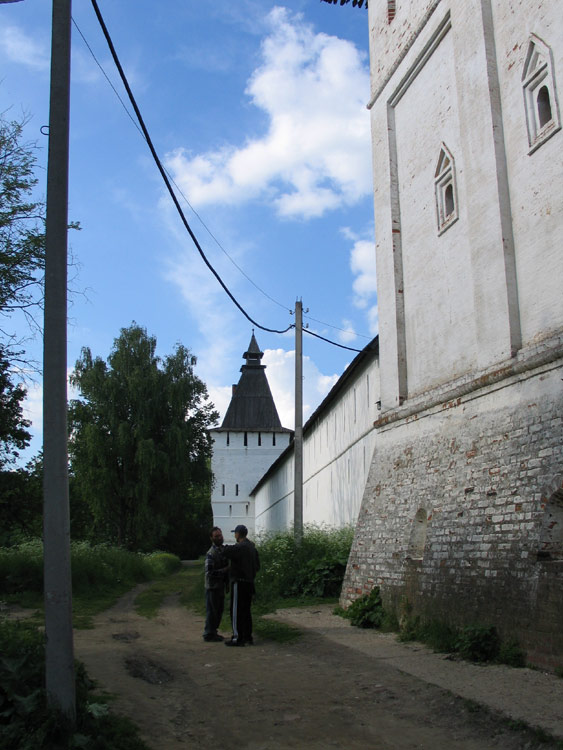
point(462, 515)
point(536, 178)
point(337, 451)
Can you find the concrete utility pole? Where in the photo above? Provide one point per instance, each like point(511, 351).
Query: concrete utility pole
point(298, 439)
point(59, 656)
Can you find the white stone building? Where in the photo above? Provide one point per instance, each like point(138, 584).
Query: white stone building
point(338, 442)
point(462, 517)
point(247, 443)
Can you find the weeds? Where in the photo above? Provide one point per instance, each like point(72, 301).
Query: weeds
point(25, 721)
point(316, 567)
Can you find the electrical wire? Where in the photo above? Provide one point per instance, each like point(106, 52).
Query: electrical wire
point(167, 181)
point(341, 346)
point(178, 188)
point(336, 328)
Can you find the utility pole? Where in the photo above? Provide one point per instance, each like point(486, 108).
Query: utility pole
point(59, 656)
point(298, 439)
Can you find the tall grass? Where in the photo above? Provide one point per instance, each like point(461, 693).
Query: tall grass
point(93, 567)
point(316, 567)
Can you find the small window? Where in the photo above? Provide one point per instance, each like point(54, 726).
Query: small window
point(246, 508)
point(551, 534)
point(259, 438)
point(445, 189)
point(540, 94)
point(246, 439)
point(228, 439)
point(273, 438)
point(391, 10)
point(223, 490)
point(230, 510)
point(236, 490)
point(544, 106)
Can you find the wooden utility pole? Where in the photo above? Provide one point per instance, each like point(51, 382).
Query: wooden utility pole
point(298, 439)
point(59, 656)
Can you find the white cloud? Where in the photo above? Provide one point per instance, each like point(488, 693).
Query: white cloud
point(281, 377)
point(348, 334)
point(362, 264)
point(373, 320)
point(314, 156)
point(20, 48)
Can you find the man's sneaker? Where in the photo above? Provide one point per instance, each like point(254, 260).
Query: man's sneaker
point(215, 637)
point(240, 644)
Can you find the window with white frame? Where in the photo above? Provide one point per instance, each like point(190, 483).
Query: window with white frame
point(446, 190)
point(540, 94)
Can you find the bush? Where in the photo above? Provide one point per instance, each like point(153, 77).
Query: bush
point(314, 568)
point(93, 567)
point(366, 611)
point(478, 643)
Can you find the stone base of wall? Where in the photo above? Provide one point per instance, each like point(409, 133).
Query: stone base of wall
point(461, 504)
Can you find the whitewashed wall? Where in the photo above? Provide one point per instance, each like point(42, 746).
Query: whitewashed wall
point(338, 445)
point(236, 469)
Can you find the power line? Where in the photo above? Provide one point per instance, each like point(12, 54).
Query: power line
point(165, 176)
point(178, 188)
point(168, 179)
point(341, 346)
point(336, 328)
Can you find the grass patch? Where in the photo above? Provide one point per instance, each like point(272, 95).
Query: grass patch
point(100, 575)
point(149, 601)
point(279, 632)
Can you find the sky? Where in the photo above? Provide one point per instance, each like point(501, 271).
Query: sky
point(258, 111)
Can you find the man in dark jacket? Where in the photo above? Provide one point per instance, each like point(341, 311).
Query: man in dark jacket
point(245, 564)
point(216, 572)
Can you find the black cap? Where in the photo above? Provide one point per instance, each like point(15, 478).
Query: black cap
point(240, 529)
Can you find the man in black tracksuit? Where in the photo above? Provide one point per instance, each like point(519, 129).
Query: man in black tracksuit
point(244, 566)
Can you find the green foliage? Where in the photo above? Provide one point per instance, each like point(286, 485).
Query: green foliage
point(478, 643)
point(25, 721)
point(14, 435)
point(511, 653)
point(314, 568)
point(22, 239)
point(21, 504)
point(366, 611)
point(93, 567)
point(140, 447)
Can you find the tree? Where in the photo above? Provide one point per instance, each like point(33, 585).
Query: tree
point(355, 3)
point(14, 435)
point(139, 441)
point(22, 236)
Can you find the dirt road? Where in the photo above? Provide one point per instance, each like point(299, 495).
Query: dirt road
point(329, 689)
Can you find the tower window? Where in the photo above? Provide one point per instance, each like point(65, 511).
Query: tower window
point(223, 490)
point(230, 510)
point(245, 439)
point(540, 94)
point(259, 438)
point(236, 490)
point(273, 438)
point(228, 439)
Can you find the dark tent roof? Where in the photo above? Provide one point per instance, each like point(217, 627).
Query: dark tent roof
point(252, 406)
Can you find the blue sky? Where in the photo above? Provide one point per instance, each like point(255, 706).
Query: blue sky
point(258, 111)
